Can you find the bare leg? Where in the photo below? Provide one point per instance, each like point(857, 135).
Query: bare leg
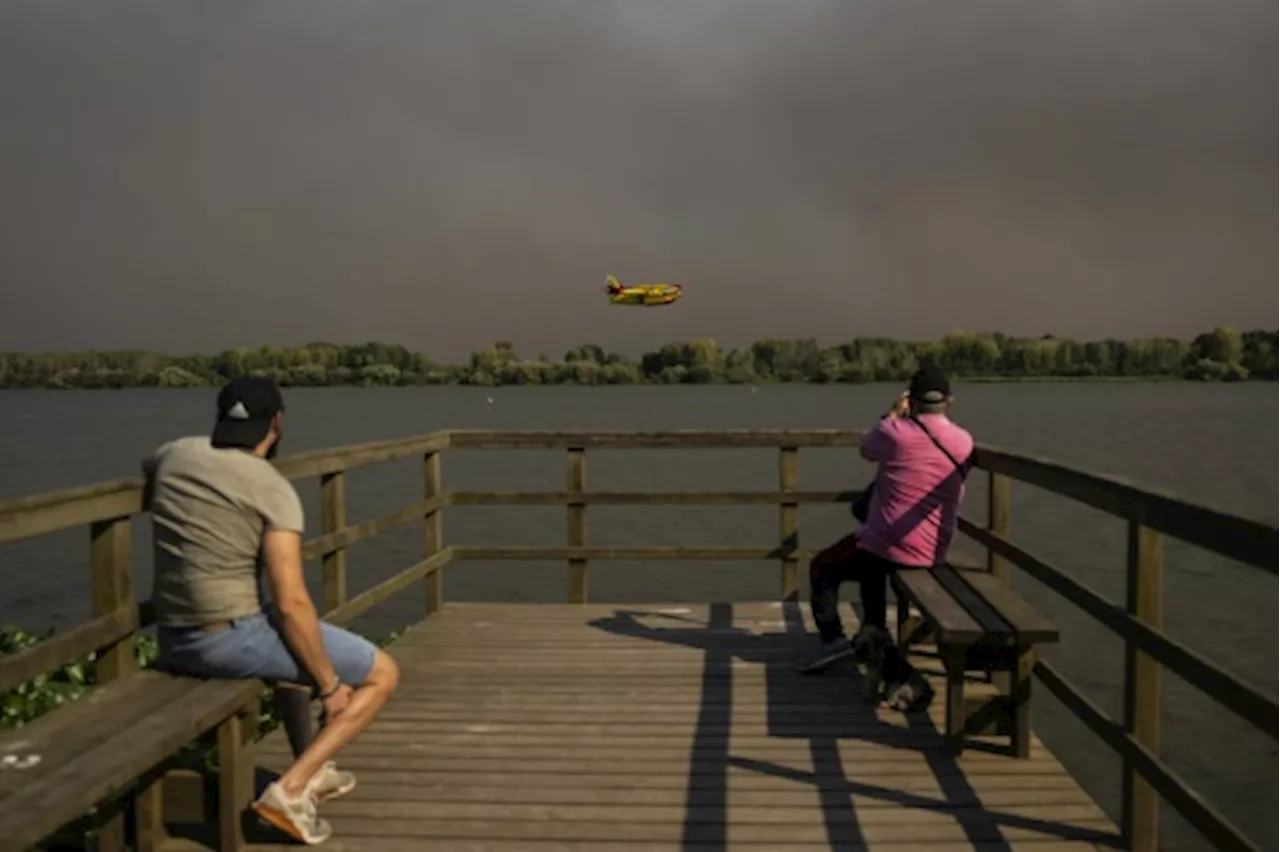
point(294, 703)
point(364, 705)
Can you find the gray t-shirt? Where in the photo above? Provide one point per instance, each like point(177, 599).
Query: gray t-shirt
point(209, 509)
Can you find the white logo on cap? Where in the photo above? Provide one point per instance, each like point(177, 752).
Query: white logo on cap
point(238, 412)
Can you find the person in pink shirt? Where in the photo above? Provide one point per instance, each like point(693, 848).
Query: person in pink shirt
point(922, 458)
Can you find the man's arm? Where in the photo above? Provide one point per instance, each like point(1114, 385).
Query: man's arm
point(149, 465)
point(282, 561)
point(299, 622)
point(878, 443)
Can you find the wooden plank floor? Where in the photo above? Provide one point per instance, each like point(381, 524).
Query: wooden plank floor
point(671, 727)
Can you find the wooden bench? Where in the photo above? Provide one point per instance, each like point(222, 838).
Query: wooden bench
point(978, 624)
point(111, 747)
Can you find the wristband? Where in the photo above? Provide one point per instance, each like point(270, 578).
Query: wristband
point(337, 684)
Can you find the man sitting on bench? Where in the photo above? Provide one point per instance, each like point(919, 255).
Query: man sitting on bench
point(910, 521)
point(222, 517)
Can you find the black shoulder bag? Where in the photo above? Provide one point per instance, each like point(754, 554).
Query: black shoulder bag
point(862, 505)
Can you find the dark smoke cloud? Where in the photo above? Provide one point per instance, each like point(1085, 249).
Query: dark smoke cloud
point(195, 176)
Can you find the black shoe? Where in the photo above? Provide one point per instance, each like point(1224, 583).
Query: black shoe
point(826, 654)
point(914, 695)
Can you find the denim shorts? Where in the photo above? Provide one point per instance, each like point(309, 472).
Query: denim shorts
point(253, 647)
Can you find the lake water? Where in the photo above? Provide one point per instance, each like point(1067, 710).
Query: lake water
point(1216, 444)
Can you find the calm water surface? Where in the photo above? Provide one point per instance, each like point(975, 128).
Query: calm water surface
point(1213, 443)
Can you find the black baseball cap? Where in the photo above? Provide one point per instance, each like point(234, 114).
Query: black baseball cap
point(930, 385)
point(245, 408)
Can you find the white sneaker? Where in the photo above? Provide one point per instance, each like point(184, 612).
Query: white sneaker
point(295, 817)
point(330, 782)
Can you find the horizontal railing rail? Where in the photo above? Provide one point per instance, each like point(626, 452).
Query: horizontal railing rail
point(76, 507)
point(1248, 541)
point(109, 507)
point(717, 439)
point(1246, 701)
point(643, 498)
point(553, 553)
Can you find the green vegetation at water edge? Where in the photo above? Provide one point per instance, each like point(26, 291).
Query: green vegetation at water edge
point(1224, 354)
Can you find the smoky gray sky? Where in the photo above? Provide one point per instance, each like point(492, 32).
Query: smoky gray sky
point(194, 176)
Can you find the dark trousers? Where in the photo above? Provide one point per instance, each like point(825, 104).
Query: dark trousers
point(842, 562)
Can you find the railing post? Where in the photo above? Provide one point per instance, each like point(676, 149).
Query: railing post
point(1140, 805)
point(111, 557)
point(789, 520)
point(333, 517)
point(577, 519)
point(998, 498)
point(433, 535)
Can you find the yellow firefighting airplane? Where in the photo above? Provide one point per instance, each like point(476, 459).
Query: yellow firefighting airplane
point(643, 295)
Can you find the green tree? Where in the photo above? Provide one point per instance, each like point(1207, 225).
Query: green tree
point(1223, 354)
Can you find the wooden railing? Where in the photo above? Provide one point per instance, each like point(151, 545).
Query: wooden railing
point(108, 509)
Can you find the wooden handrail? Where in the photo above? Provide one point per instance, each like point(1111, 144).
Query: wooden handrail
point(1203, 817)
point(647, 498)
point(1251, 542)
point(320, 462)
point(27, 517)
point(1248, 541)
point(108, 508)
point(553, 553)
point(71, 507)
point(1246, 701)
point(723, 439)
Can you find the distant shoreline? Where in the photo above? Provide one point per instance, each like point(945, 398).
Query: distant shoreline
point(956, 380)
point(1222, 355)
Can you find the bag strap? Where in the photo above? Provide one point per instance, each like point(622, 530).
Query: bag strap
point(963, 468)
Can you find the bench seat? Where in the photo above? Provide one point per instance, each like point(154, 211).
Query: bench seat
point(113, 743)
point(979, 624)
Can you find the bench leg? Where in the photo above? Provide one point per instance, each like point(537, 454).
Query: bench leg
point(113, 825)
point(235, 776)
point(953, 661)
point(148, 816)
point(1020, 699)
point(908, 627)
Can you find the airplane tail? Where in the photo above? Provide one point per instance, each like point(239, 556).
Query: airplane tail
point(611, 284)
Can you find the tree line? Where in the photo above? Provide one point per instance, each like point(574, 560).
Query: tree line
point(1224, 354)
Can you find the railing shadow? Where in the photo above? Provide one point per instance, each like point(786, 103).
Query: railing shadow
point(824, 710)
point(710, 757)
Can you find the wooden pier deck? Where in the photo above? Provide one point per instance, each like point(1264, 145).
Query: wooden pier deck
point(670, 727)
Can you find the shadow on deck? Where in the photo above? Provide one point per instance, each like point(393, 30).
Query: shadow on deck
point(604, 727)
